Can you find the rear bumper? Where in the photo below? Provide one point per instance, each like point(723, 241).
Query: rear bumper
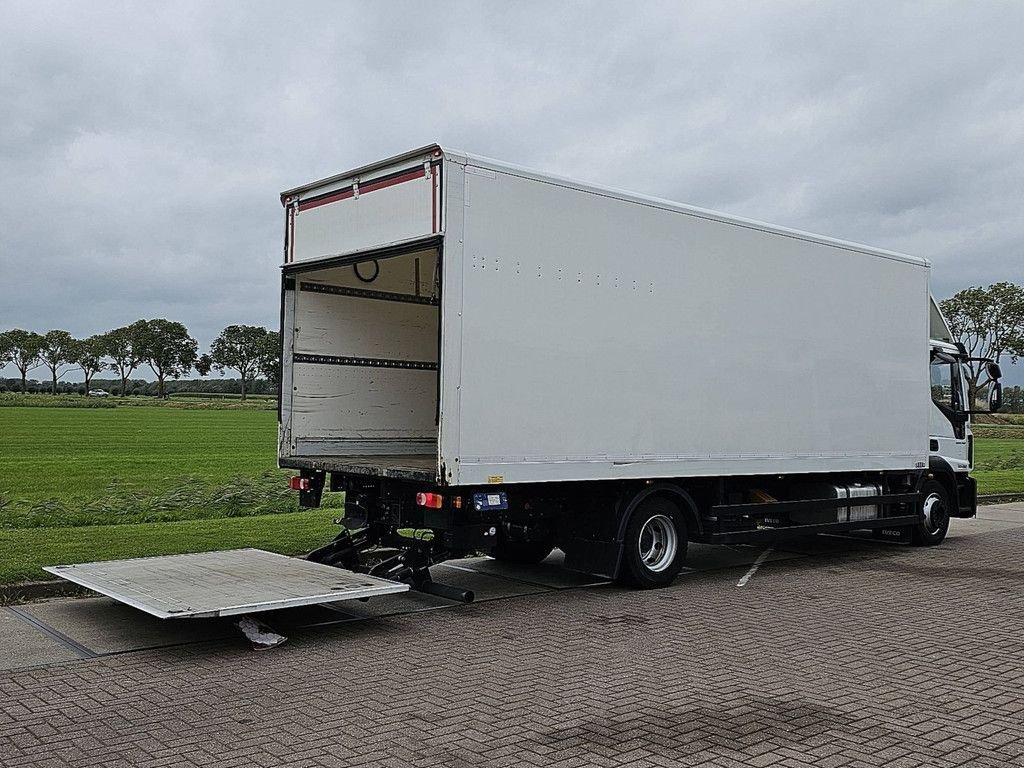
point(420, 468)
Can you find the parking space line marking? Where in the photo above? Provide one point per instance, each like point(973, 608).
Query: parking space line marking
point(753, 568)
point(46, 629)
point(459, 568)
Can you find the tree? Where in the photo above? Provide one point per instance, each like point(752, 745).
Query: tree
point(240, 348)
point(56, 351)
point(167, 348)
point(6, 348)
point(88, 354)
point(1013, 400)
point(123, 346)
point(270, 358)
point(23, 349)
point(989, 322)
point(203, 364)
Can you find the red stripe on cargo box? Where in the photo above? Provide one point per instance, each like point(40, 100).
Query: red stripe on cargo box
point(370, 186)
point(291, 234)
point(433, 198)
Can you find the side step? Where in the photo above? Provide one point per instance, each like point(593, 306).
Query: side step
point(227, 583)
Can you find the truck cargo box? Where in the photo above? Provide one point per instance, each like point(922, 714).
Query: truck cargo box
point(458, 320)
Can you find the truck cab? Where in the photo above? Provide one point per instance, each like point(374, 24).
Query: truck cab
point(951, 441)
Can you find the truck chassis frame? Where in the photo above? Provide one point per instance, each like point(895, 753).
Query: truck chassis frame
point(588, 520)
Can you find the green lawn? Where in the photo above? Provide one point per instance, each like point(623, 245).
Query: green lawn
point(79, 484)
point(999, 464)
point(24, 552)
point(76, 454)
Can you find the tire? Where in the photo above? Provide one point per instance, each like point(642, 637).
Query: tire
point(521, 552)
point(934, 505)
point(654, 545)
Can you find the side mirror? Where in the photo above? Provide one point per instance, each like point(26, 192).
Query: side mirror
point(994, 371)
point(995, 396)
point(988, 398)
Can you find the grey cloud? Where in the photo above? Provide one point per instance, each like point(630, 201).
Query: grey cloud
point(143, 146)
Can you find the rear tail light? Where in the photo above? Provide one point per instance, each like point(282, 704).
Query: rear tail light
point(299, 483)
point(431, 500)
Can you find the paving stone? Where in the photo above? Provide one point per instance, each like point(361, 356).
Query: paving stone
point(866, 655)
point(24, 645)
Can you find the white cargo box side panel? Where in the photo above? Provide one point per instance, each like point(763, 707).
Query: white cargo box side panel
point(607, 338)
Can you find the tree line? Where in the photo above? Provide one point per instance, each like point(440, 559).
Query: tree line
point(142, 384)
point(989, 322)
point(165, 346)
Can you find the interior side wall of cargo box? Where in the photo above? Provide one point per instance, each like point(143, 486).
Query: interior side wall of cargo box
point(361, 345)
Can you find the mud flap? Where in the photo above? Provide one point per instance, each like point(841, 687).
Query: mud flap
point(967, 495)
point(599, 558)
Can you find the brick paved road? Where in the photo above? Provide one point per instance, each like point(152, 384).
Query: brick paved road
point(891, 656)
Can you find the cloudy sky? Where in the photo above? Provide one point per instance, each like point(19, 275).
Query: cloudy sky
point(143, 145)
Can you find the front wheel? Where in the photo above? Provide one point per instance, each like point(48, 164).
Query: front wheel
point(934, 506)
point(655, 544)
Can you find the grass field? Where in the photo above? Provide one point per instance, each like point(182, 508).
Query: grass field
point(82, 484)
point(73, 466)
point(78, 454)
point(999, 464)
point(181, 400)
point(23, 553)
point(1003, 425)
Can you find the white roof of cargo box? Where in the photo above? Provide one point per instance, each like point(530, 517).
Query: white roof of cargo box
point(479, 161)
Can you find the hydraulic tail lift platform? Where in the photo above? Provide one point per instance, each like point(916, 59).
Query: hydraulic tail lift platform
point(226, 583)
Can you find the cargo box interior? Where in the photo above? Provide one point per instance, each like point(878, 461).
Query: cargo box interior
point(361, 378)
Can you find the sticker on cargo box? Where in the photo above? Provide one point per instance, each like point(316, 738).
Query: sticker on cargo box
point(495, 479)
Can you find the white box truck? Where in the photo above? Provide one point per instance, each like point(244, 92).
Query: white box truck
point(484, 357)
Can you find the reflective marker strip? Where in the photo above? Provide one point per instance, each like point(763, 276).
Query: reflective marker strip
point(370, 186)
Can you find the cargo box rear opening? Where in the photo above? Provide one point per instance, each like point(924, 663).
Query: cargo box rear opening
point(360, 380)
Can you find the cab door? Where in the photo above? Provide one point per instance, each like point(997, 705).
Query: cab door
point(949, 431)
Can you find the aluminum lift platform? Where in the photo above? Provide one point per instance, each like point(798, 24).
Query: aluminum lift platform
point(227, 583)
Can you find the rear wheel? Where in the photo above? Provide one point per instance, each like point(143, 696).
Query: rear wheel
point(934, 506)
point(655, 544)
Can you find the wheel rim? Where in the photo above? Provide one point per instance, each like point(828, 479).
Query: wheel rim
point(658, 543)
point(934, 513)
